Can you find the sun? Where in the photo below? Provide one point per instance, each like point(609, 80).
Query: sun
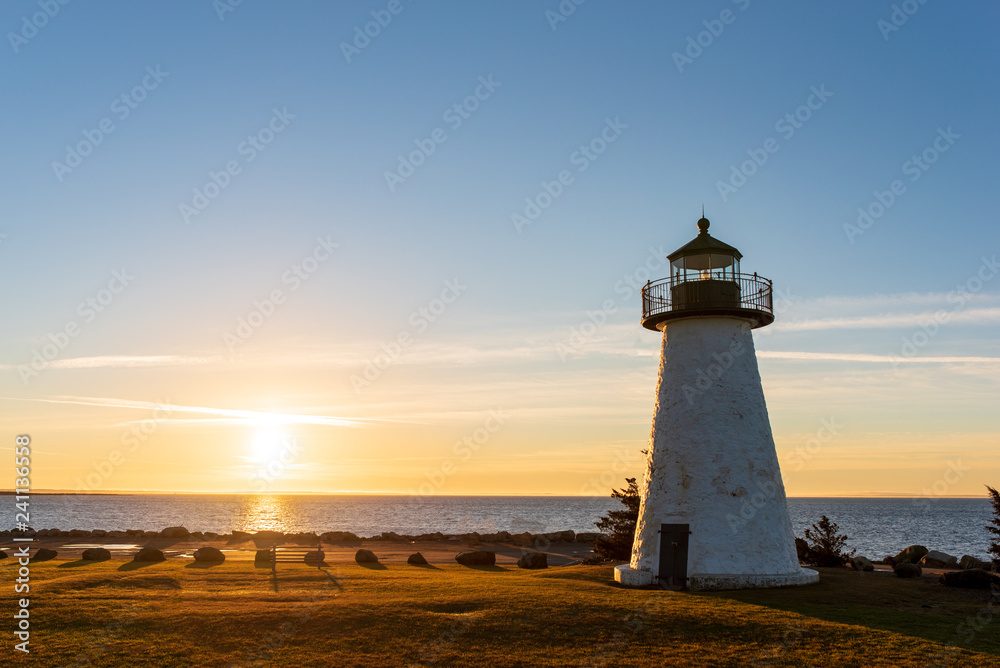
point(267, 443)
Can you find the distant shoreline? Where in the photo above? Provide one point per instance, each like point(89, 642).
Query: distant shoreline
point(445, 496)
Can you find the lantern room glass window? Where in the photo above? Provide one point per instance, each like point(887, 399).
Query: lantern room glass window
point(718, 266)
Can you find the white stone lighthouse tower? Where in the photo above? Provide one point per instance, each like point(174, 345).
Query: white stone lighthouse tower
point(713, 512)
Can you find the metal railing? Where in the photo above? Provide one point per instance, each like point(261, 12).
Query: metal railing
point(666, 296)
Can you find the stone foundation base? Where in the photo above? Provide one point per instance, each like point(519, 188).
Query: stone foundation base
point(633, 577)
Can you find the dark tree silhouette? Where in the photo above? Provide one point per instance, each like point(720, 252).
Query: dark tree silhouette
point(826, 546)
point(620, 524)
point(995, 528)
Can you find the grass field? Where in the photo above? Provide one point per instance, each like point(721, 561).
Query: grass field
point(176, 614)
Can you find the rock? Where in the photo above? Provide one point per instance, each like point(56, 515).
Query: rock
point(416, 559)
point(888, 561)
point(98, 533)
point(175, 532)
point(262, 556)
point(913, 554)
point(44, 554)
point(209, 555)
point(908, 569)
point(973, 578)
point(802, 550)
point(588, 537)
point(210, 535)
point(522, 538)
point(969, 561)
point(240, 535)
point(935, 559)
point(3, 555)
point(269, 537)
point(477, 558)
point(148, 554)
point(78, 533)
point(391, 535)
point(365, 557)
point(340, 537)
point(314, 558)
point(96, 554)
point(533, 560)
point(197, 535)
point(862, 564)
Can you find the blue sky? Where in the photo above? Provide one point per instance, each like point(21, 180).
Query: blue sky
point(555, 85)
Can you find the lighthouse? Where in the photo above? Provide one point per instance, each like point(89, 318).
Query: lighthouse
point(713, 513)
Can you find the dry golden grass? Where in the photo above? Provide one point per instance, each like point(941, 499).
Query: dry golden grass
point(175, 614)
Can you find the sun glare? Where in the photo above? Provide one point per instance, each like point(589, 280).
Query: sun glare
point(267, 443)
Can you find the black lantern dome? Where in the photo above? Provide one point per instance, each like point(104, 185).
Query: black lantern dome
point(705, 280)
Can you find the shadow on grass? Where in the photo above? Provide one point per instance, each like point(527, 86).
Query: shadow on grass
point(204, 564)
point(494, 568)
point(427, 567)
point(81, 562)
point(374, 566)
point(919, 607)
point(135, 565)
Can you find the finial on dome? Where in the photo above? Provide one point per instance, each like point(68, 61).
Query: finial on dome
point(703, 223)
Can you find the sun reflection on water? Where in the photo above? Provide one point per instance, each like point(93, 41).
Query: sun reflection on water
point(263, 513)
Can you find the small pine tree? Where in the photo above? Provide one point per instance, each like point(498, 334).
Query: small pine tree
point(994, 548)
point(826, 546)
point(620, 524)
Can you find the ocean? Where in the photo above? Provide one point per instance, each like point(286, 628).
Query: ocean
point(875, 526)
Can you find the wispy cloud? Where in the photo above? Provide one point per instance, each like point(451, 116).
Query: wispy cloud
point(253, 418)
point(880, 359)
point(982, 316)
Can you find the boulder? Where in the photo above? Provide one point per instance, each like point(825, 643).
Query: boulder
point(78, 533)
point(262, 557)
point(148, 554)
point(3, 555)
point(175, 532)
point(96, 554)
point(269, 537)
point(340, 537)
point(973, 578)
point(314, 558)
point(567, 536)
point(522, 538)
point(240, 535)
point(802, 549)
point(913, 554)
point(588, 537)
point(391, 535)
point(210, 535)
point(862, 564)
point(935, 559)
point(533, 560)
point(365, 557)
point(416, 559)
point(969, 561)
point(44, 554)
point(476, 558)
point(908, 569)
point(97, 533)
point(209, 555)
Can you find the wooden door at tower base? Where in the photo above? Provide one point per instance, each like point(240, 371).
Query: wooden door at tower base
point(673, 555)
